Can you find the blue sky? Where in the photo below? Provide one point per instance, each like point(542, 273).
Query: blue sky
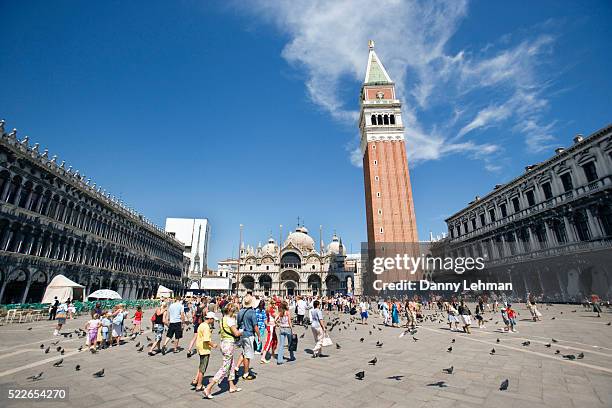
point(248, 114)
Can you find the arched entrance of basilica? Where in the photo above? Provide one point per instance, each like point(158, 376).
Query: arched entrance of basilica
point(290, 283)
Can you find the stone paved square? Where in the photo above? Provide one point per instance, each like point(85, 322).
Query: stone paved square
point(537, 376)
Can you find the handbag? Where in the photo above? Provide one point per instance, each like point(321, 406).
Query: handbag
point(326, 340)
point(293, 343)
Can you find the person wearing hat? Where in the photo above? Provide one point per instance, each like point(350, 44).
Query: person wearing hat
point(247, 323)
point(204, 344)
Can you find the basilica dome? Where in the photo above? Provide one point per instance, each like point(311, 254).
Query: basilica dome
point(270, 248)
point(335, 247)
point(300, 239)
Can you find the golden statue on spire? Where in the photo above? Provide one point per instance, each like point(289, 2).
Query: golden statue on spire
point(371, 44)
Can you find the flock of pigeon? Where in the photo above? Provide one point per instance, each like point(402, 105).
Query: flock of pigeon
point(435, 317)
point(80, 333)
point(336, 322)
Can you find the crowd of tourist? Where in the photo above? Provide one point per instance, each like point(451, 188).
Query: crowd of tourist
point(264, 326)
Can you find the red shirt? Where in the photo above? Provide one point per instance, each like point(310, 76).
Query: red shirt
point(138, 315)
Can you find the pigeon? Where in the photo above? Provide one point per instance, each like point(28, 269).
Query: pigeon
point(148, 339)
point(557, 352)
point(379, 329)
point(450, 349)
point(492, 351)
point(302, 336)
point(413, 332)
point(29, 328)
point(360, 375)
point(580, 356)
point(453, 340)
point(498, 340)
point(35, 377)
point(142, 348)
point(42, 346)
point(58, 348)
point(93, 351)
point(609, 324)
point(62, 352)
point(415, 339)
point(379, 344)
point(55, 343)
point(569, 356)
point(449, 370)
point(440, 384)
point(504, 385)
point(47, 349)
point(547, 345)
point(554, 341)
point(526, 343)
point(81, 348)
point(77, 368)
point(395, 377)
point(373, 361)
point(553, 318)
point(361, 340)
point(99, 374)
point(58, 363)
point(370, 332)
point(338, 346)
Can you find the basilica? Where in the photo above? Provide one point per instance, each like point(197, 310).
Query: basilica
point(296, 268)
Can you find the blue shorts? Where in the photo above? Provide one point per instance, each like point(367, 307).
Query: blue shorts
point(364, 315)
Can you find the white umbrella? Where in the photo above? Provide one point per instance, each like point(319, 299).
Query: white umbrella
point(104, 294)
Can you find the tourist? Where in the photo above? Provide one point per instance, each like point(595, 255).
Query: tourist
point(363, 310)
point(197, 317)
point(105, 323)
point(53, 308)
point(260, 314)
point(466, 317)
point(511, 318)
point(97, 309)
point(317, 325)
point(504, 315)
point(71, 309)
point(204, 344)
point(229, 334)
point(117, 326)
point(300, 310)
point(158, 327)
point(452, 316)
point(247, 322)
point(285, 333)
point(60, 316)
point(137, 322)
point(271, 339)
point(395, 309)
point(385, 312)
point(91, 328)
point(533, 309)
point(174, 318)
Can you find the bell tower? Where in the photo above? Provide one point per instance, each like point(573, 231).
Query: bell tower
point(388, 193)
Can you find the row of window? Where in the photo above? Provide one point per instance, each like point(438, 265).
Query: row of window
point(529, 200)
point(381, 120)
point(44, 202)
point(520, 241)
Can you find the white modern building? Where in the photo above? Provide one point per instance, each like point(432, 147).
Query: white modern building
point(194, 233)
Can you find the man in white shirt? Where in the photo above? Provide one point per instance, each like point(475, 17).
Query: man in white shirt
point(174, 319)
point(317, 326)
point(363, 309)
point(301, 310)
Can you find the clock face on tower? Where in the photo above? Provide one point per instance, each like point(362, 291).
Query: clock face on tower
point(379, 93)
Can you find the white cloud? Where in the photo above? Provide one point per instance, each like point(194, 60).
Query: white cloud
point(328, 41)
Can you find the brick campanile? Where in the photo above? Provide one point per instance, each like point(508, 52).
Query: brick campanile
point(389, 205)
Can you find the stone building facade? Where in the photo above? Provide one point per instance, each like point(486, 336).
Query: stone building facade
point(55, 221)
point(548, 231)
point(296, 268)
